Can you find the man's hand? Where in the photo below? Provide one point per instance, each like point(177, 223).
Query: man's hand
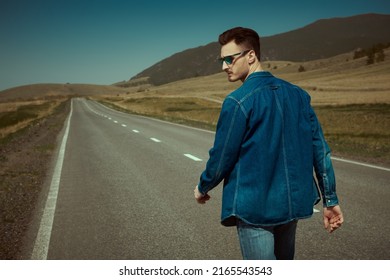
point(333, 218)
point(200, 198)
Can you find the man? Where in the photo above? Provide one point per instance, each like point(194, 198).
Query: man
point(268, 140)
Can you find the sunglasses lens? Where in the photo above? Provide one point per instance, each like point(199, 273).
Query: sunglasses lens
point(228, 60)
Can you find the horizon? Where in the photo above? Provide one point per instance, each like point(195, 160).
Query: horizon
point(105, 42)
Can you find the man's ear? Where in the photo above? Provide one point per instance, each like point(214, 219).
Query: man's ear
point(251, 57)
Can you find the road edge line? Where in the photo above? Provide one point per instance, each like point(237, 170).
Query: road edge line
point(41, 245)
point(360, 163)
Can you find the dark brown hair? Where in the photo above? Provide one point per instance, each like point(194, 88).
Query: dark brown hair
point(242, 36)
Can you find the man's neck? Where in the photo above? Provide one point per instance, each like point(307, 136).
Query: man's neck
point(255, 67)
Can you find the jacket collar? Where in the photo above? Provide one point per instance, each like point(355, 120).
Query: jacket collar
point(259, 74)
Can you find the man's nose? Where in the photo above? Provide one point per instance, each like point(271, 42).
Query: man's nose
point(224, 66)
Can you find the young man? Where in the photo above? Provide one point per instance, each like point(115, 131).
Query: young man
point(268, 140)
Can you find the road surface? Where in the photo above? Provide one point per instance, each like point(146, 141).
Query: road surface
point(123, 189)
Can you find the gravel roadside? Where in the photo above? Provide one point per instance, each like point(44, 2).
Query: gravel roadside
point(25, 158)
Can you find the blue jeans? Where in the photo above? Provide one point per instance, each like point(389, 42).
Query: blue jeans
point(267, 243)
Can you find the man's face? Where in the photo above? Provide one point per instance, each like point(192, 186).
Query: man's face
point(235, 62)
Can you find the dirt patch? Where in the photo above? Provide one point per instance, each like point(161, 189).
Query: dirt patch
point(25, 157)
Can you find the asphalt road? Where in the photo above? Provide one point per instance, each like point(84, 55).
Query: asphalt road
point(126, 192)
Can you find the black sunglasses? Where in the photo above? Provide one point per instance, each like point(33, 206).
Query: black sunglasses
point(230, 58)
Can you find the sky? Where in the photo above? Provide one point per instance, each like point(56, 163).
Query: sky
point(107, 41)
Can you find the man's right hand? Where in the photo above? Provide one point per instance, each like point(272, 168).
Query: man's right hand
point(200, 198)
point(333, 218)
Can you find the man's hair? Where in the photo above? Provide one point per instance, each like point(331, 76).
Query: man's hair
point(242, 36)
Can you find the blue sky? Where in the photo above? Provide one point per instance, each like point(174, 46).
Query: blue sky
point(106, 41)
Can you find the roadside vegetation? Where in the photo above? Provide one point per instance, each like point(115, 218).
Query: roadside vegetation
point(358, 131)
point(16, 115)
point(29, 132)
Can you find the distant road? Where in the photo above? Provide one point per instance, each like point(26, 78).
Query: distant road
point(123, 189)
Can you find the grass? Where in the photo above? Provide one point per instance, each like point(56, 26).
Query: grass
point(15, 116)
point(361, 131)
point(22, 113)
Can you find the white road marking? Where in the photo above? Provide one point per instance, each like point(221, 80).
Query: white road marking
point(115, 121)
point(124, 125)
point(155, 140)
point(41, 246)
point(362, 164)
point(192, 157)
point(154, 119)
point(135, 131)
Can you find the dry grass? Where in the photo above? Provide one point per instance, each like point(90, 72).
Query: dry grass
point(359, 131)
point(17, 115)
point(335, 81)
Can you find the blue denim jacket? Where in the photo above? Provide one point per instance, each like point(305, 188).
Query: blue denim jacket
point(267, 143)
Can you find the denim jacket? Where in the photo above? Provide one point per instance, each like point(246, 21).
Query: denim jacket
point(268, 144)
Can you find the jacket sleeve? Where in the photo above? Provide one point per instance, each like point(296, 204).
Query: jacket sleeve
point(323, 164)
point(223, 155)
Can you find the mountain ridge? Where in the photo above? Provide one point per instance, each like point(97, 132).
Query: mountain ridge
point(323, 38)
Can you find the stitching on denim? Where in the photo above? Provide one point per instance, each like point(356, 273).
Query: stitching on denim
point(239, 103)
point(245, 97)
point(253, 92)
point(324, 170)
point(284, 154)
point(236, 190)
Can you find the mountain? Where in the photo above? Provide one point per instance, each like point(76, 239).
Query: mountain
point(328, 37)
point(200, 61)
point(321, 39)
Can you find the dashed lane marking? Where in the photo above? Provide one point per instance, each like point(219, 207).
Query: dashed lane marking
point(155, 140)
point(193, 157)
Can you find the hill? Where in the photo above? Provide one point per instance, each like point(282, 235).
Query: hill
point(28, 92)
point(331, 81)
point(322, 39)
